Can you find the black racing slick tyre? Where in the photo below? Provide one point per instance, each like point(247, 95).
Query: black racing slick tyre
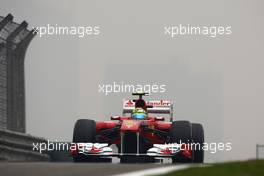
point(198, 141)
point(181, 132)
point(84, 132)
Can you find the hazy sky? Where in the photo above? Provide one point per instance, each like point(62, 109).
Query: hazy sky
point(214, 81)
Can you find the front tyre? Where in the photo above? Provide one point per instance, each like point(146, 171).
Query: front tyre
point(198, 140)
point(181, 132)
point(84, 132)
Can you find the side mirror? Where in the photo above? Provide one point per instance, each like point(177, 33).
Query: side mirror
point(115, 117)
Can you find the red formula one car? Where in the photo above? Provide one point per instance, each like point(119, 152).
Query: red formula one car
point(139, 136)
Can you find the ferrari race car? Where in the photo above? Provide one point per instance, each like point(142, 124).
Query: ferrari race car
point(139, 136)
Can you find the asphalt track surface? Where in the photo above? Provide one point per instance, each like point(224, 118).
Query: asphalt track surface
point(71, 169)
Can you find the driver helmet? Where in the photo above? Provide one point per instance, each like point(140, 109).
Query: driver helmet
point(139, 113)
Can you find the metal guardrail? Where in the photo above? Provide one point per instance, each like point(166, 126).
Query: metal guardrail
point(16, 146)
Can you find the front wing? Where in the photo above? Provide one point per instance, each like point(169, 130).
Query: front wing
point(103, 150)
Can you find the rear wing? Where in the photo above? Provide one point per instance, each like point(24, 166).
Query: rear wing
point(157, 107)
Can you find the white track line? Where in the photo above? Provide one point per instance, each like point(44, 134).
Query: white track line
point(156, 171)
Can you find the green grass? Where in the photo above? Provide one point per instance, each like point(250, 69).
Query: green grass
point(241, 168)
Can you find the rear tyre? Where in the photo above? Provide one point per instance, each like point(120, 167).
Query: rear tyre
point(198, 140)
point(181, 132)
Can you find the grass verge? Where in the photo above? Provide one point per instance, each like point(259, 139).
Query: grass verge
point(241, 168)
